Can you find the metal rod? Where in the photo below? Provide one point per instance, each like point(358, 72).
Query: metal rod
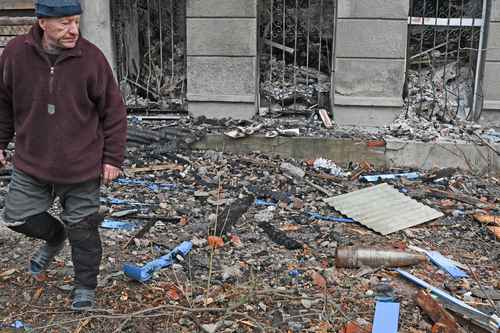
point(270, 46)
point(472, 49)
point(481, 49)
point(458, 60)
point(160, 16)
point(332, 73)
point(295, 53)
point(183, 63)
point(172, 38)
point(446, 61)
point(139, 69)
point(319, 52)
point(149, 54)
point(284, 60)
point(308, 39)
point(421, 85)
point(434, 98)
point(427, 51)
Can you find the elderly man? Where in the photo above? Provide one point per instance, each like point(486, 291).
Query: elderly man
point(59, 97)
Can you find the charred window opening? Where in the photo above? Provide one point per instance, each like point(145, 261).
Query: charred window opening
point(296, 43)
point(443, 58)
point(150, 38)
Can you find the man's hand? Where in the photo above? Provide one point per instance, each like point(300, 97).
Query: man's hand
point(3, 160)
point(109, 173)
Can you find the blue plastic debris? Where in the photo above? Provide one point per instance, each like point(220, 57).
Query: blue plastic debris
point(492, 322)
point(114, 224)
point(294, 273)
point(260, 202)
point(385, 299)
point(150, 185)
point(144, 273)
point(134, 120)
point(121, 202)
point(386, 318)
point(445, 264)
point(376, 178)
point(17, 325)
point(156, 187)
point(114, 201)
point(330, 218)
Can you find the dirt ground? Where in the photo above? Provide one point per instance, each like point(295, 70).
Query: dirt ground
point(250, 283)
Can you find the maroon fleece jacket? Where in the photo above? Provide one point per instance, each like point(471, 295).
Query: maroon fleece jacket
point(68, 118)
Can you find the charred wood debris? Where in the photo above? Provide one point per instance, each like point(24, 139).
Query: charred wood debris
point(269, 253)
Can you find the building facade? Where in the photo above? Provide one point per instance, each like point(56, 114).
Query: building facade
point(359, 59)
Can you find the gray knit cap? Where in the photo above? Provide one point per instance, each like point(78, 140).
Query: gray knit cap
point(57, 8)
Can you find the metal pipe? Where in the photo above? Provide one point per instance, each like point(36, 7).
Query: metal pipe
point(434, 47)
point(334, 49)
point(270, 46)
point(161, 42)
point(295, 53)
point(420, 63)
point(471, 50)
point(446, 60)
point(481, 48)
point(308, 39)
point(149, 54)
point(458, 59)
point(284, 60)
point(172, 37)
point(319, 52)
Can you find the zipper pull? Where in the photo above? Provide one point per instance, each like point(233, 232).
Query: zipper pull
point(51, 80)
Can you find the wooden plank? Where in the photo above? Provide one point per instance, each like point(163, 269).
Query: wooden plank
point(14, 30)
point(16, 4)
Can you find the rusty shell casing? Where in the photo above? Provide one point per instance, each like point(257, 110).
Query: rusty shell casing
point(354, 257)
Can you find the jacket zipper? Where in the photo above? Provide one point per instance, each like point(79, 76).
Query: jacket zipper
point(51, 80)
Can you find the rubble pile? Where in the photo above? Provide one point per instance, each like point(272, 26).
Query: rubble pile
point(161, 141)
point(444, 94)
point(248, 243)
point(288, 84)
point(410, 125)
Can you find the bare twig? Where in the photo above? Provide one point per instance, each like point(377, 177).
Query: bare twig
point(491, 303)
point(142, 314)
point(487, 144)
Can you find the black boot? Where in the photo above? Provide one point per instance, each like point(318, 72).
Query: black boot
point(43, 226)
point(86, 252)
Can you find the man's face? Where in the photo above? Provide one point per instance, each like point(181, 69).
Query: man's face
point(61, 32)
